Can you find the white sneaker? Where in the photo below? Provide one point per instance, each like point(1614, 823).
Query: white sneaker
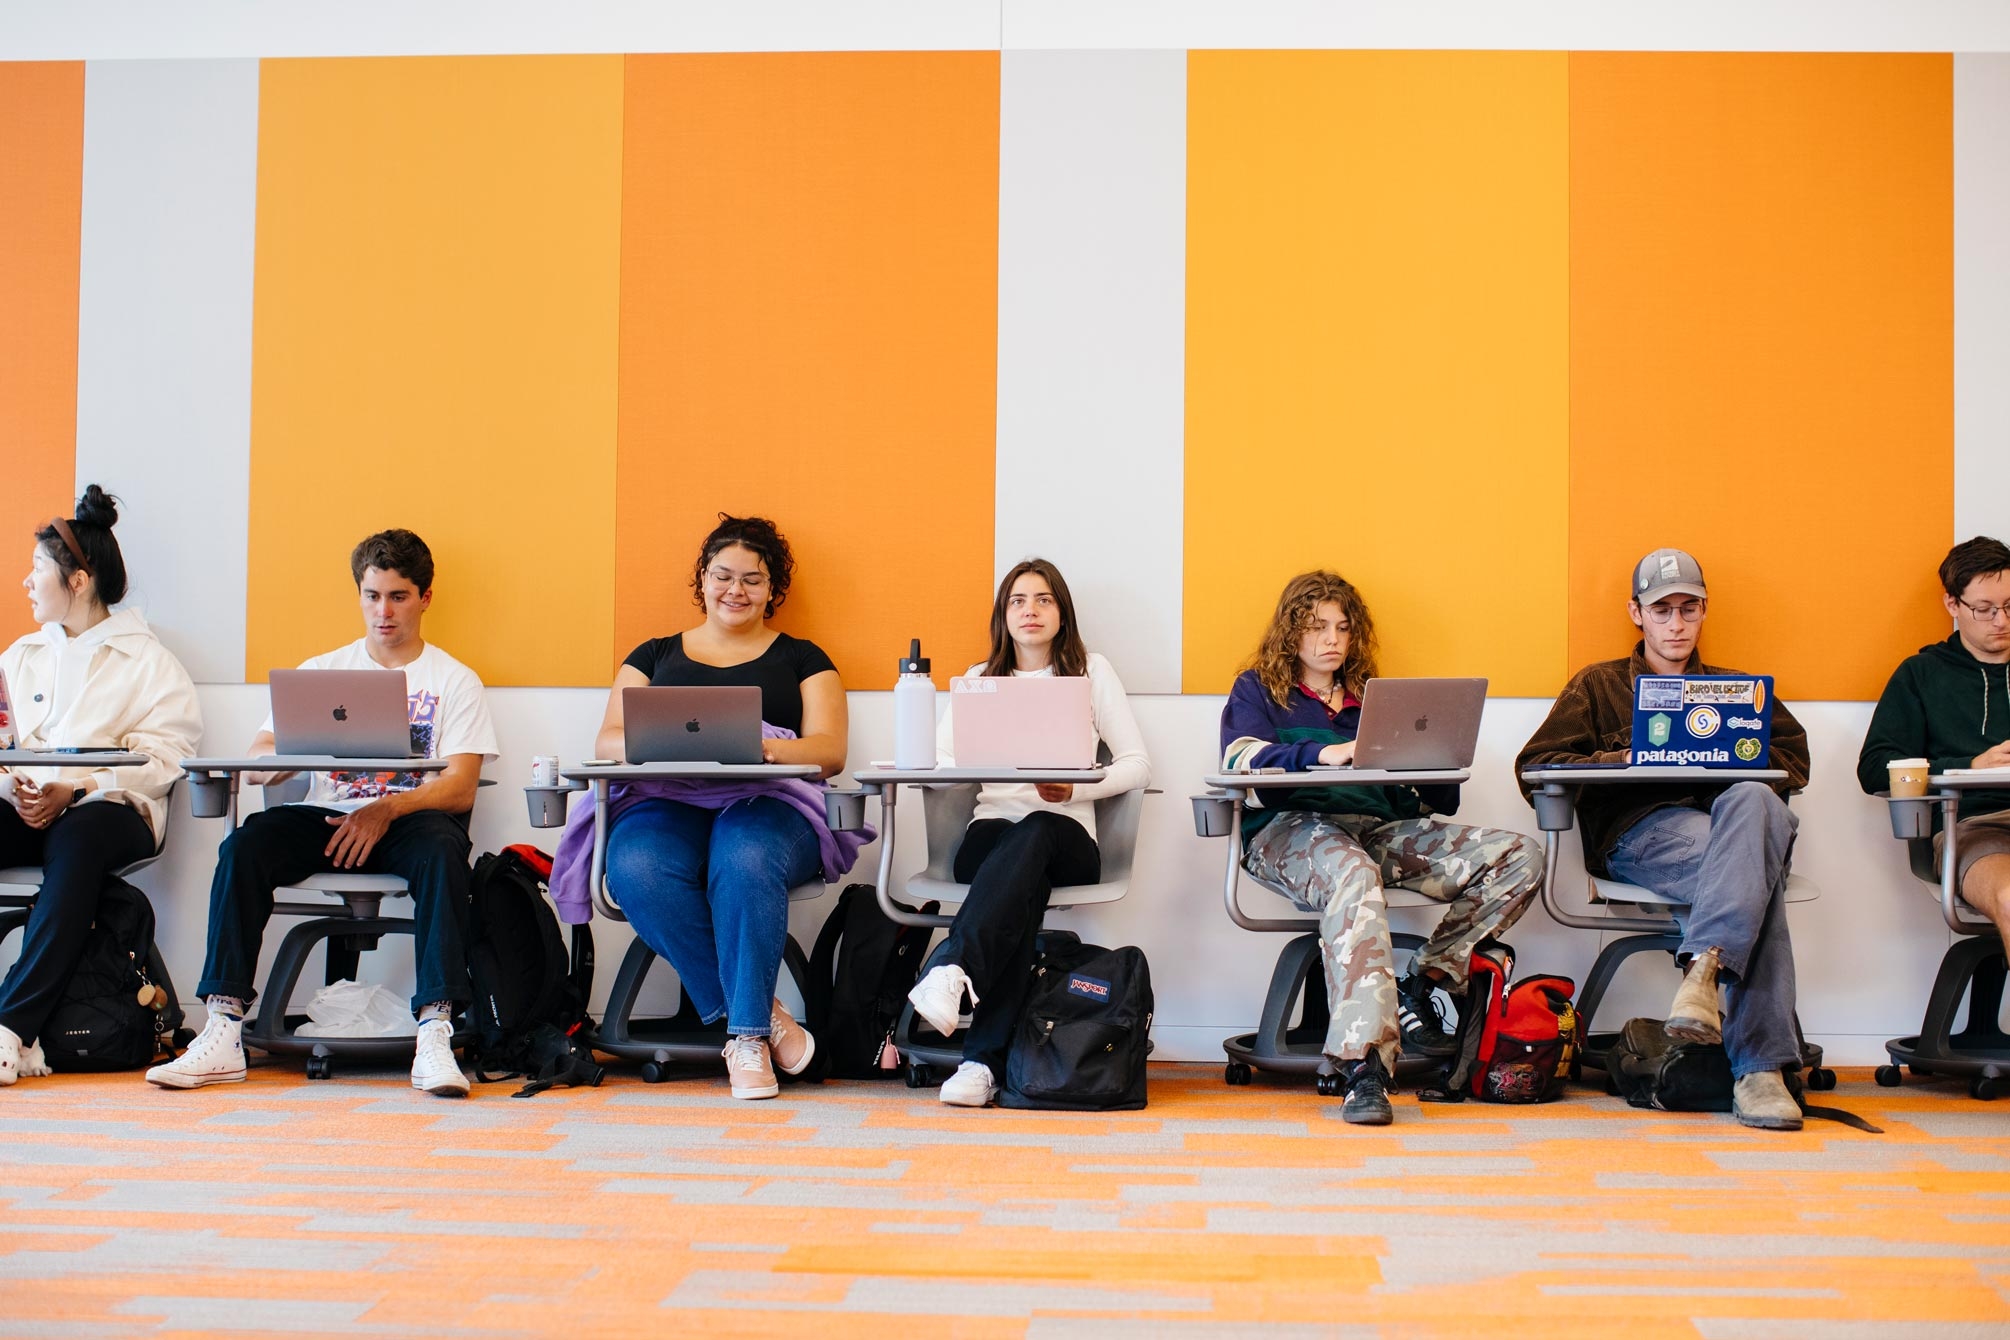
point(34, 1065)
point(971, 1086)
point(10, 1055)
point(215, 1057)
point(938, 998)
point(434, 1068)
point(747, 1066)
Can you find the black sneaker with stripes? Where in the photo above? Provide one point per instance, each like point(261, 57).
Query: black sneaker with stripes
point(1421, 1019)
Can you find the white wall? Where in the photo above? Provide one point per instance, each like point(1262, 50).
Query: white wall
point(1866, 951)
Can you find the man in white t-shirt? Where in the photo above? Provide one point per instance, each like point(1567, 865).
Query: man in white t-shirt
point(409, 824)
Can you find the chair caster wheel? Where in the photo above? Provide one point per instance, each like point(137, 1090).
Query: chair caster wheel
point(1331, 1087)
point(1984, 1088)
point(654, 1072)
point(1888, 1076)
point(318, 1067)
point(1821, 1079)
point(1236, 1073)
point(917, 1076)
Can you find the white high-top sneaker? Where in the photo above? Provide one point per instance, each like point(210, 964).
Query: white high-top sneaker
point(434, 1068)
point(215, 1057)
point(10, 1055)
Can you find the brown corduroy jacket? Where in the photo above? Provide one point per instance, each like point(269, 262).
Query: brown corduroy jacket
point(1592, 722)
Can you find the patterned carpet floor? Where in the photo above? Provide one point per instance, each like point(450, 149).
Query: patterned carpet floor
point(355, 1206)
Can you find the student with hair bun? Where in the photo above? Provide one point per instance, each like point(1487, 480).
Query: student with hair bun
point(91, 678)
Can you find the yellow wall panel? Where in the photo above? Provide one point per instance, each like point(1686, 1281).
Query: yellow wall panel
point(434, 346)
point(1762, 346)
point(1377, 353)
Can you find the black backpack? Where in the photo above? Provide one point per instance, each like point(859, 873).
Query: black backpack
point(1086, 1030)
point(100, 1022)
point(530, 995)
point(862, 967)
point(1649, 1069)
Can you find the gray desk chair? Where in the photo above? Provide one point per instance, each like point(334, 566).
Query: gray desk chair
point(358, 926)
point(946, 814)
point(1973, 967)
point(661, 1041)
point(20, 885)
point(1278, 1045)
point(1653, 922)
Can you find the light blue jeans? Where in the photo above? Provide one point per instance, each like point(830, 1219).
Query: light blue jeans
point(1730, 865)
point(709, 891)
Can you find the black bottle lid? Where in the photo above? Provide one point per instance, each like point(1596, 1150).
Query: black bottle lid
point(913, 663)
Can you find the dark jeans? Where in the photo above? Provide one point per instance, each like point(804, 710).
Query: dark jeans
point(77, 853)
point(1011, 867)
point(708, 890)
point(282, 846)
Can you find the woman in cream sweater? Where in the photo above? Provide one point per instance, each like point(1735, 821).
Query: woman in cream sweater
point(90, 679)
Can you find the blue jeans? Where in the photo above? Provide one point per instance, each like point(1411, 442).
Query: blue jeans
point(708, 890)
point(1730, 865)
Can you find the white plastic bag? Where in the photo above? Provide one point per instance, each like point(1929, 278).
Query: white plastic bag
point(353, 1010)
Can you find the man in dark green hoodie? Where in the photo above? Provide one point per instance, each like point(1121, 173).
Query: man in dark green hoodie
point(1950, 705)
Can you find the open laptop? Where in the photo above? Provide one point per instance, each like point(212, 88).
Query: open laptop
point(1011, 721)
point(685, 724)
point(341, 713)
point(7, 733)
point(1409, 725)
point(1712, 721)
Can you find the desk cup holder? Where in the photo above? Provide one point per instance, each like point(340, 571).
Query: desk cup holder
point(1213, 816)
point(845, 810)
point(1553, 814)
point(209, 795)
point(547, 805)
point(1913, 817)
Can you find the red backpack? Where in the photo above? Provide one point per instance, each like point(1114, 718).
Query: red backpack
point(1515, 1041)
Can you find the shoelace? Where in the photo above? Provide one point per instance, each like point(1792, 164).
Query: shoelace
point(743, 1053)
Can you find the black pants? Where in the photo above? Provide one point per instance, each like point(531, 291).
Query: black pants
point(282, 846)
point(77, 854)
point(1011, 868)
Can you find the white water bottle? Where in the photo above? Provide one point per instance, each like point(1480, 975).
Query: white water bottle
point(914, 712)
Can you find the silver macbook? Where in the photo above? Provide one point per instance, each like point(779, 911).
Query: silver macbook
point(341, 713)
point(692, 725)
point(1409, 724)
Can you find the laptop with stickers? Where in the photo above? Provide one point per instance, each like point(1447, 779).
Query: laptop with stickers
point(1711, 721)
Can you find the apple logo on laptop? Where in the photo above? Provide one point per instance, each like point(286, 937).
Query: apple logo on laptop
point(692, 725)
point(341, 713)
point(1423, 724)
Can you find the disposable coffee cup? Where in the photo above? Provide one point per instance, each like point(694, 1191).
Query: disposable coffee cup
point(1908, 777)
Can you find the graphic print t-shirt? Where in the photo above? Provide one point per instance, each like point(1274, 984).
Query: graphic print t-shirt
point(448, 715)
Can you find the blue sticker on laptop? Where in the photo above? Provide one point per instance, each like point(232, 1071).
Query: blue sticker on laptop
point(1092, 988)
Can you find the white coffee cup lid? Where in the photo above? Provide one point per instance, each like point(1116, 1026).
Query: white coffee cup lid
point(1907, 763)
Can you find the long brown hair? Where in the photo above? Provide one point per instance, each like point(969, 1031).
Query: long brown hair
point(1276, 660)
point(1069, 656)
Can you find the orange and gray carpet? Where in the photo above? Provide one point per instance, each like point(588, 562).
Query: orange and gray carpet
point(356, 1207)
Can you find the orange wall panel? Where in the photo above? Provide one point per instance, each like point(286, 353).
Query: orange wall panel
point(1377, 352)
point(434, 331)
point(1761, 352)
point(809, 278)
point(41, 200)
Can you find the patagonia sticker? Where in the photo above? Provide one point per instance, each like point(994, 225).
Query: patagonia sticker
point(1094, 988)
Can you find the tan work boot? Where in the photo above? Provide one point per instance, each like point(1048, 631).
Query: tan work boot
point(1761, 1099)
point(1695, 1016)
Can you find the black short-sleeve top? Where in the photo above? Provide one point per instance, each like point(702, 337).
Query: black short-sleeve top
point(778, 673)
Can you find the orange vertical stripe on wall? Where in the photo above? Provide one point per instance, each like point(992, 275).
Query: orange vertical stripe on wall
point(1761, 361)
point(41, 198)
point(434, 333)
point(809, 259)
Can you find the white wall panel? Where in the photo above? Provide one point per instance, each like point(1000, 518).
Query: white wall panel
point(1092, 342)
point(1525, 25)
point(164, 338)
point(134, 29)
point(1866, 952)
point(1982, 296)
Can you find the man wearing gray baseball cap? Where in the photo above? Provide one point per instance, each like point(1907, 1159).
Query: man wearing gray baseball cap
point(1722, 849)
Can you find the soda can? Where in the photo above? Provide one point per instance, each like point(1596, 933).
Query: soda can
point(544, 770)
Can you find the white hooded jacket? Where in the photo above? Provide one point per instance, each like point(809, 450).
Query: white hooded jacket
point(133, 695)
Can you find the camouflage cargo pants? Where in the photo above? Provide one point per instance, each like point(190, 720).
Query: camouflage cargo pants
point(1337, 864)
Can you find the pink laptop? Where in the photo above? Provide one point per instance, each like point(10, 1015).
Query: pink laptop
point(1021, 722)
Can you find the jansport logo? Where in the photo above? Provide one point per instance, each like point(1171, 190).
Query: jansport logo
point(1092, 987)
